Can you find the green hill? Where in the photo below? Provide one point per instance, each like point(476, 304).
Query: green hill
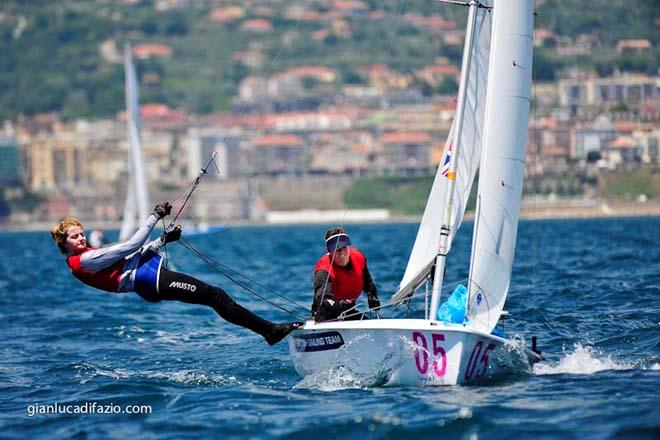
point(51, 57)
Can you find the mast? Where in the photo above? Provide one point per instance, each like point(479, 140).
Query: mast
point(441, 257)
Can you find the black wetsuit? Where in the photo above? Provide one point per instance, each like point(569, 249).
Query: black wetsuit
point(174, 286)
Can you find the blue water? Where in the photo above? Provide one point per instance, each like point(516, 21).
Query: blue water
point(589, 289)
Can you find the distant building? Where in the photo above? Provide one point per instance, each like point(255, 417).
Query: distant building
point(199, 145)
point(10, 161)
point(145, 51)
point(633, 46)
point(548, 146)
point(436, 74)
point(258, 25)
point(592, 137)
point(227, 15)
point(383, 78)
point(279, 154)
point(649, 139)
point(588, 90)
point(56, 162)
point(406, 151)
point(319, 73)
point(623, 151)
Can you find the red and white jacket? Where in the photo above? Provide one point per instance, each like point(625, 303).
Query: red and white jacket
point(113, 268)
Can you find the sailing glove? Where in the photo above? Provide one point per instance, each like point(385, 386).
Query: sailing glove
point(374, 302)
point(173, 235)
point(162, 209)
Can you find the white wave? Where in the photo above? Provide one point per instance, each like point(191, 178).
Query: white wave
point(334, 379)
point(190, 377)
point(171, 338)
point(583, 360)
point(87, 371)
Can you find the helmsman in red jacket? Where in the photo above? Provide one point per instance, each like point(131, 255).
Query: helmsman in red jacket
point(340, 276)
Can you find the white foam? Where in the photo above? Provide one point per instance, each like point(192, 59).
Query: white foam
point(583, 360)
point(88, 371)
point(193, 377)
point(333, 379)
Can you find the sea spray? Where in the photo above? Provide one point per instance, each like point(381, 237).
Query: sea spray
point(582, 360)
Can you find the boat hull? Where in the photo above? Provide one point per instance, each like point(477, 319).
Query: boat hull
point(411, 352)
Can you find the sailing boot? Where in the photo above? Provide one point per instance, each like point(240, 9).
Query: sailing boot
point(232, 312)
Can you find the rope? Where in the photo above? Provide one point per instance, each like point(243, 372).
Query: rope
point(534, 181)
point(227, 272)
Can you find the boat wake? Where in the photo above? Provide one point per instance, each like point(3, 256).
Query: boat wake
point(582, 360)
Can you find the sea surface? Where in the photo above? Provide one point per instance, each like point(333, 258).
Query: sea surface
point(589, 289)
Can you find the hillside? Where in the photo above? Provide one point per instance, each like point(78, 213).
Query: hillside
point(64, 56)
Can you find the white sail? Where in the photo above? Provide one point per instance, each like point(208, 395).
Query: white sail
point(137, 197)
point(503, 161)
point(427, 241)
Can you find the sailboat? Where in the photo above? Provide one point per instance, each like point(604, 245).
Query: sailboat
point(136, 207)
point(490, 132)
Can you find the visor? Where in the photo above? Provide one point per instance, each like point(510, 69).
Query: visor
point(337, 241)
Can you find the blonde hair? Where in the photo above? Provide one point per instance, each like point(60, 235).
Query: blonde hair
point(58, 232)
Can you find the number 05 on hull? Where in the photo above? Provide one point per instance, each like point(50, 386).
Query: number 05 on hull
point(414, 352)
point(489, 132)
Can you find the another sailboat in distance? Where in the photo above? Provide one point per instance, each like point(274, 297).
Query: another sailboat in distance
point(490, 129)
point(137, 206)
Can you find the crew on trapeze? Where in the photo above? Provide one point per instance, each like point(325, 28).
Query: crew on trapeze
point(339, 278)
point(134, 266)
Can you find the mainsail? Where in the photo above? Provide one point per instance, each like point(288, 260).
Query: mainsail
point(137, 197)
point(503, 161)
point(427, 241)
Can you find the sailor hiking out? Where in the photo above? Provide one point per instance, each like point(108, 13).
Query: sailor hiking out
point(135, 266)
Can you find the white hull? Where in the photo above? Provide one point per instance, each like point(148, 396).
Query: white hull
point(413, 352)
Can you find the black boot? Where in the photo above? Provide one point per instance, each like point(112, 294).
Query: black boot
point(233, 312)
point(280, 331)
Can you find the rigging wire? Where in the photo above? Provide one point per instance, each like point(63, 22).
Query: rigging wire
point(391, 304)
point(535, 162)
point(190, 188)
point(233, 275)
point(356, 172)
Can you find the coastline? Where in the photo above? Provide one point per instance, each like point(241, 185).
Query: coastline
point(530, 210)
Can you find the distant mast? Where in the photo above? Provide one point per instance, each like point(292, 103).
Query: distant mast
point(137, 196)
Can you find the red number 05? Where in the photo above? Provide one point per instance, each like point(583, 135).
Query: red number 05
point(422, 355)
point(475, 358)
point(439, 365)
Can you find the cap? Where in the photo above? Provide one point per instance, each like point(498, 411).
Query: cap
point(337, 241)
